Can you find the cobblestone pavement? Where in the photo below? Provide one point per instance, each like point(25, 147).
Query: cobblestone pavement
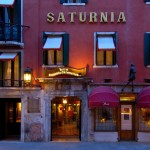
point(4, 145)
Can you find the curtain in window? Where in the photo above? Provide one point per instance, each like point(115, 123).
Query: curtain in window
point(100, 58)
point(16, 68)
point(7, 69)
point(59, 57)
point(109, 58)
point(51, 57)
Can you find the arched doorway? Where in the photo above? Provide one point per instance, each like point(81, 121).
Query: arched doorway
point(65, 118)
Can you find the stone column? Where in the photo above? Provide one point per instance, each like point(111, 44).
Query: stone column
point(84, 116)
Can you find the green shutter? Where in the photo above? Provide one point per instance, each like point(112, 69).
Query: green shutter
point(45, 57)
point(16, 12)
point(116, 46)
point(44, 38)
point(84, 1)
point(20, 83)
point(1, 75)
point(147, 49)
point(65, 49)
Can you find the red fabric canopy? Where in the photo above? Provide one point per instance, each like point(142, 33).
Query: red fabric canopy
point(143, 99)
point(103, 96)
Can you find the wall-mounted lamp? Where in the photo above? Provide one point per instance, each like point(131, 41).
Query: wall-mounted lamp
point(28, 74)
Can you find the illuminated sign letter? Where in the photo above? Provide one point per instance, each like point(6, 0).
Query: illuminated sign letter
point(103, 17)
point(82, 16)
point(61, 17)
point(121, 17)
point(112, 17)
point(50, 17)
point(72, 14)
point(93, 17)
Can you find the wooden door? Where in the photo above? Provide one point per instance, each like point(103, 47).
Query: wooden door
point(127, 132)
point(2, 120)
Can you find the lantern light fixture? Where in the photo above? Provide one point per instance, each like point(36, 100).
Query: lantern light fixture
point(27, 75)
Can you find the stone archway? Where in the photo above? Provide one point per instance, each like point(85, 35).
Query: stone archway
point(65, 118)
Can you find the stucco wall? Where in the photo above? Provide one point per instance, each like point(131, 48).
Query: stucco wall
point(106, 136)
point(143, 136)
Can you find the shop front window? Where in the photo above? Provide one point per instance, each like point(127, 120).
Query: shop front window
point(144, 119)
point(105, 119)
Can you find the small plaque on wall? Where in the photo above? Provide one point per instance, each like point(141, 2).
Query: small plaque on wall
point(33, 105)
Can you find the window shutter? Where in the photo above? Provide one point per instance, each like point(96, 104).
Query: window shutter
point(84, 1)
point(19, 54)
point(16, 12)
point(147, 49)
point(62, 1)
point(45, 57)
point(116, 45)
point(65, 49)
point(44, 38)
point(1, 81)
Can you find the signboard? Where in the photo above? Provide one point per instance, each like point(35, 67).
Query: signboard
point(64, 72)
point(83, 17)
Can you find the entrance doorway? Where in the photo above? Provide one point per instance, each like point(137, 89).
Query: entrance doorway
point(10, 119)
point(65, 118)
point(127, 122)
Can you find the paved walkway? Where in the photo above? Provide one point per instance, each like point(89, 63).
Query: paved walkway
point(74, 146)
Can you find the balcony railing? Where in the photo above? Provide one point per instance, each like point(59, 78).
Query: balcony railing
point(11, 83)
point(10, 32)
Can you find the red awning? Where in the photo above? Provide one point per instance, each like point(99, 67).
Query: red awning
point(103, 96)
point(143, 99)
point(6, 3)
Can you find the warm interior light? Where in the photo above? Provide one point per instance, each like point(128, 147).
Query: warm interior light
point(64, 101)
point(27, 75)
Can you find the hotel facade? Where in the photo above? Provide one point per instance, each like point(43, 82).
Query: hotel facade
point(75, 70)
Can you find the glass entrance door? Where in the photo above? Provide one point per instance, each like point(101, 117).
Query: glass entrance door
point(65, 120)
point(14, 118)
point(127, 124)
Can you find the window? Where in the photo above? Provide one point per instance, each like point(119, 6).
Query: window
point(56, 49)
point(144, 119)
point(147, 1)
point(73, 1)
point(10, 18)
point(105, 119)
point(147, 49)
point(105, 49)
point(10, 72)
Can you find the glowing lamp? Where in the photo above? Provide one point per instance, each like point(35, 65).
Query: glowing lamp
point(27, 75)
